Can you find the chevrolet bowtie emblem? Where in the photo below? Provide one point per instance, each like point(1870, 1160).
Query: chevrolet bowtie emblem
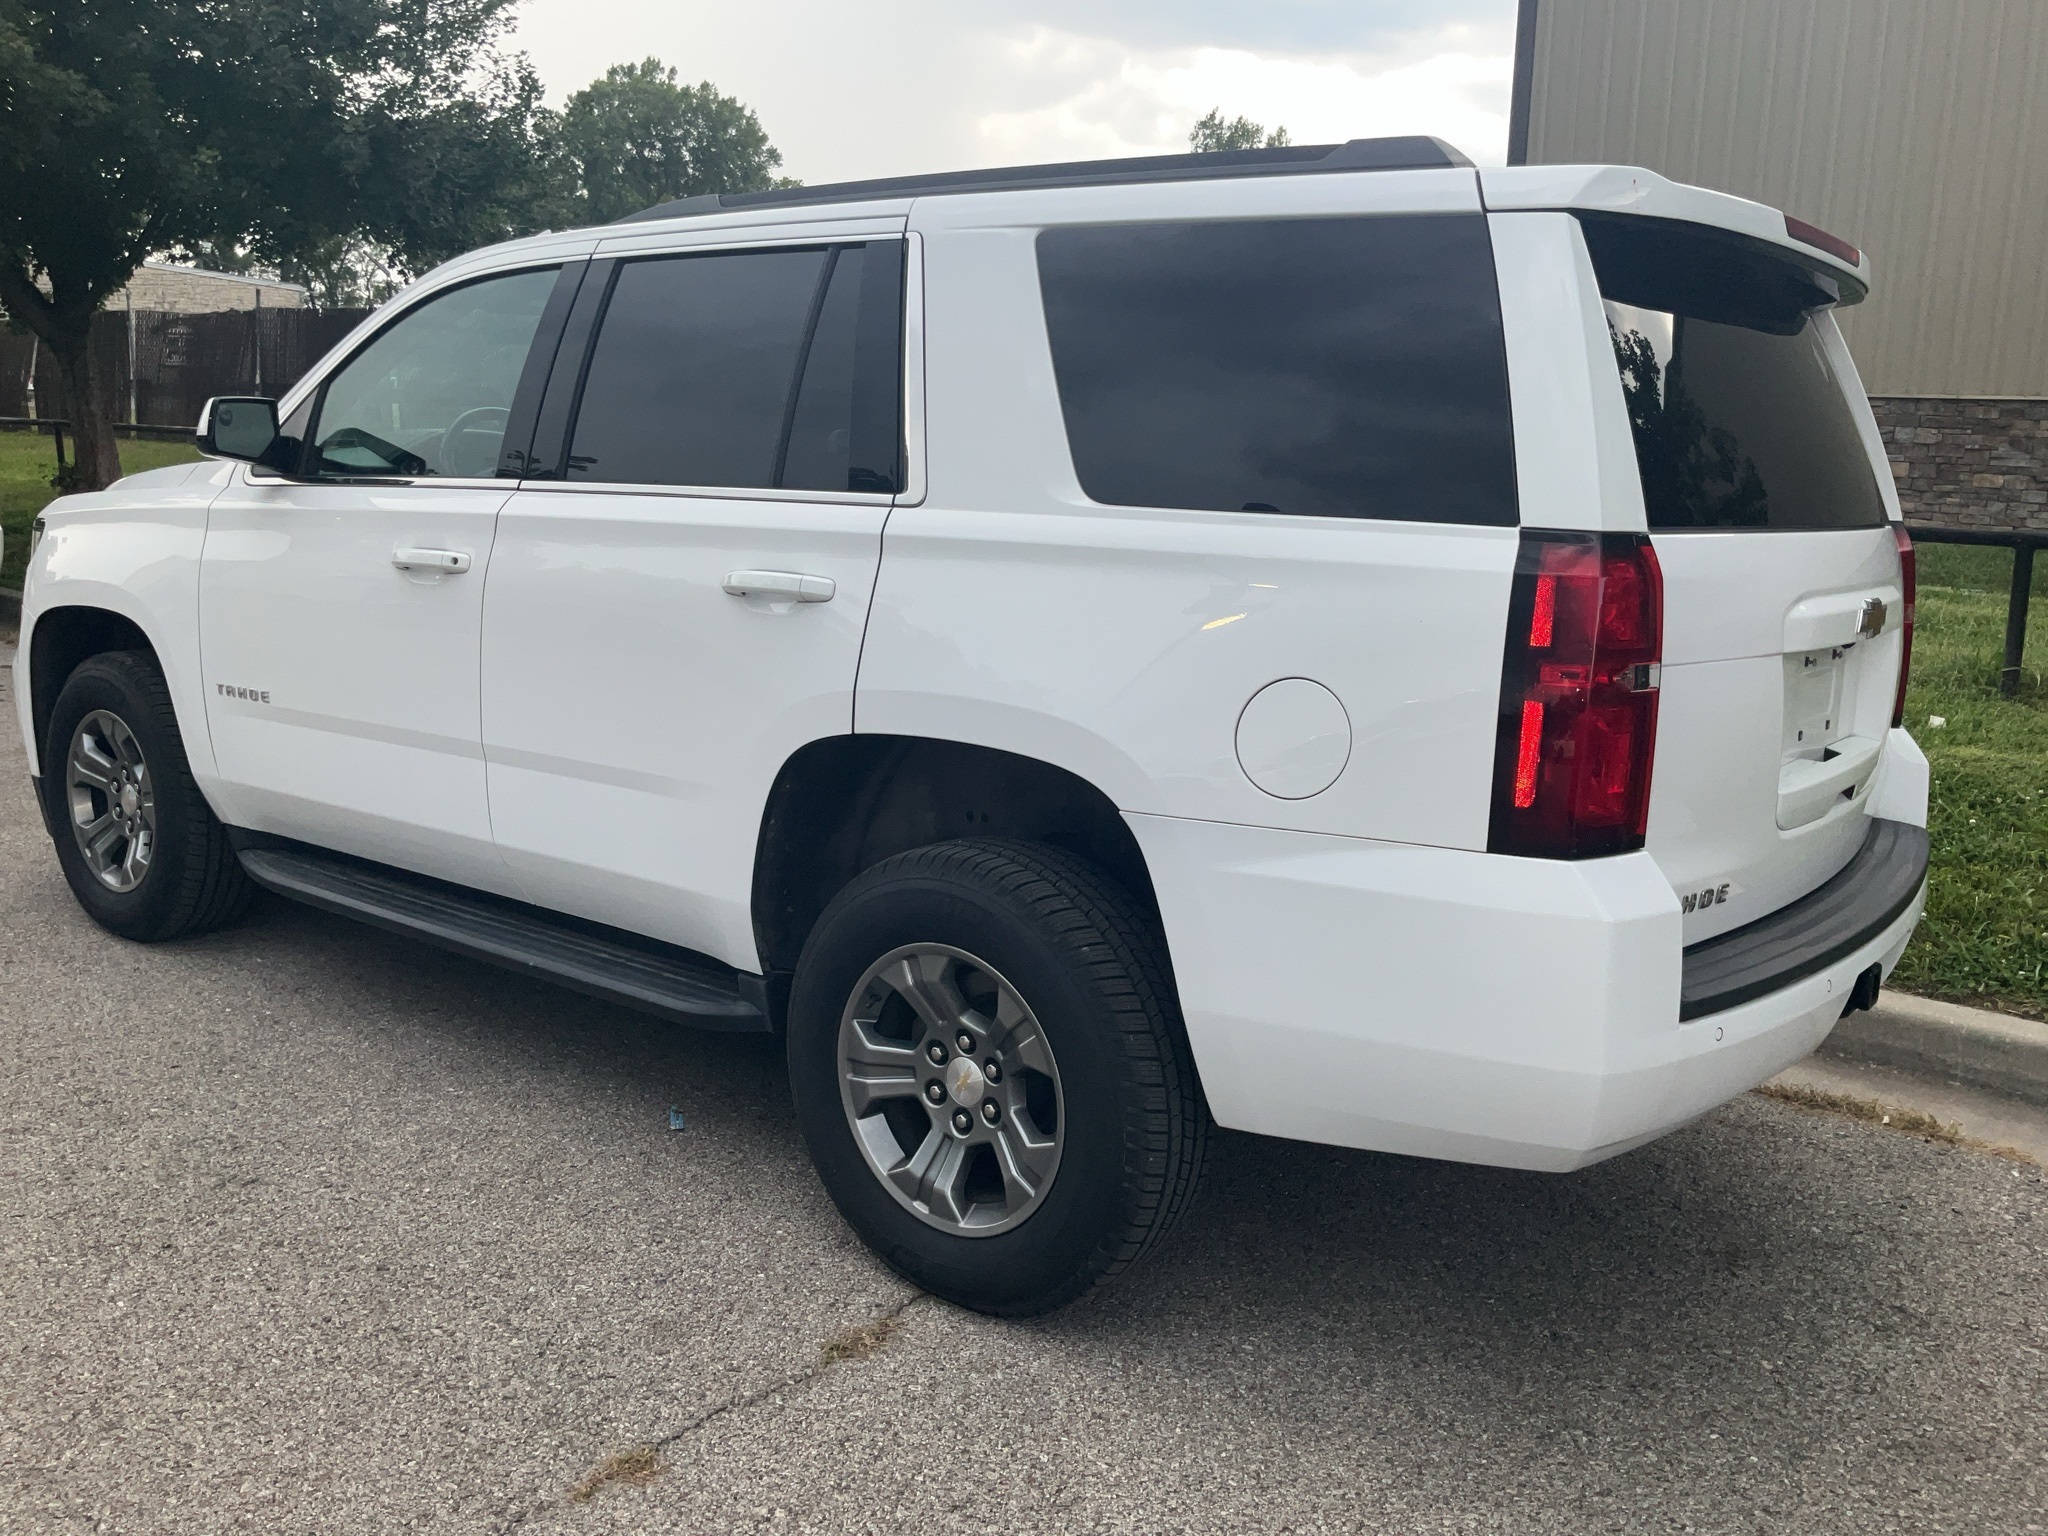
point(1872, 622)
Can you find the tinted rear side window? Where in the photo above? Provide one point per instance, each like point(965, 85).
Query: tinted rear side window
point(845, 425)
point(1348, 367)
point(1739, 417)
point(747, 369)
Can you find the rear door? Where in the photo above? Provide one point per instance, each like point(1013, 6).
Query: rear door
point(1764, 487)
point(1222, 499)
point(680, 585)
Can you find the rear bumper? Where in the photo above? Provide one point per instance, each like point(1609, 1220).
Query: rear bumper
point(1862, 901)
point(1442, 1003)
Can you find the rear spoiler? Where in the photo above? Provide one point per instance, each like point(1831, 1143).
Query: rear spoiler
point(1624, 189)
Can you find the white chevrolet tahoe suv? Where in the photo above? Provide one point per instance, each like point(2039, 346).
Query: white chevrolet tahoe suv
point(1363, 648)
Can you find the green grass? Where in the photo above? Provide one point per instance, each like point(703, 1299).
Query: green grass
point(27, 462)
point(1985, 937)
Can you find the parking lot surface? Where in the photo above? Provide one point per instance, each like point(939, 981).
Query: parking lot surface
point(308, 1228)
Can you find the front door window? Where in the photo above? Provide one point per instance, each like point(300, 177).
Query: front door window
point(432, 394)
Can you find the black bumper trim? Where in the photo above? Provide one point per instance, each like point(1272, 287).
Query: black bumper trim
point(1811, 934)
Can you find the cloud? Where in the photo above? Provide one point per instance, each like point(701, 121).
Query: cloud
point(896, 87)
point(1131, 103)
point(1261, 26)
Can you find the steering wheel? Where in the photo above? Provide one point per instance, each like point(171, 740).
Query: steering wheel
point(469, 448)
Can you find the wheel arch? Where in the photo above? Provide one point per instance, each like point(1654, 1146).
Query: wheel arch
point(843, 804)
point(63, 637)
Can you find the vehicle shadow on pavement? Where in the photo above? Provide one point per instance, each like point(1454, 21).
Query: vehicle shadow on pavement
point(1705, 1237)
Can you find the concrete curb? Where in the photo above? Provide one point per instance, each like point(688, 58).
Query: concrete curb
point(1993, 1051)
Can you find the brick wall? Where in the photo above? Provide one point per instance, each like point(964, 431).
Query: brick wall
point(1969, 463)
point(175, 290)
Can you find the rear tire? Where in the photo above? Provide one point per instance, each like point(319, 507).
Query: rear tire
point(1110, 1129)
point(139, 845)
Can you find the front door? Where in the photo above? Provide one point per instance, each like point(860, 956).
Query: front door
point(340, 613)
point(681, 607)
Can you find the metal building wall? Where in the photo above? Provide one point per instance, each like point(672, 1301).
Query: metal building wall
point(1918, 129)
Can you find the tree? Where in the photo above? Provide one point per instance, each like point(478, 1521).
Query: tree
point(637, 138)
point(270, 129)
point(349, 272)
point(1212, 133)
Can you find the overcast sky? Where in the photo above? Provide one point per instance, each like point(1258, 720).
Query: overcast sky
point(856, 88)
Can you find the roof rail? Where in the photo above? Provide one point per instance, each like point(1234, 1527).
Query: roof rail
point(1411, 153)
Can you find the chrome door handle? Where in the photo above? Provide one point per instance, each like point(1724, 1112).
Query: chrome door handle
point(781, 586)
point(452, 562)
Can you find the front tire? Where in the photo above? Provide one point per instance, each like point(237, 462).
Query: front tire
point(991, 1074)
point(139, 846)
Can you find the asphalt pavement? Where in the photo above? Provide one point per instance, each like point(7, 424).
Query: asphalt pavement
point(306, 1228)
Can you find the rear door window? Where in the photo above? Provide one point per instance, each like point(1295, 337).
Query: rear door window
point(1739, 416)
point(747, 369)
point(1338, 367)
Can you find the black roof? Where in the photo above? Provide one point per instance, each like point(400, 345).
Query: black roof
point(1412, 153)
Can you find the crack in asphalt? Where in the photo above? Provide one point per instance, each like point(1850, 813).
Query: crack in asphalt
point(735, 1404)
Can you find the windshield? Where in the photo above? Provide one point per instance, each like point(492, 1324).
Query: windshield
point(1739, 416)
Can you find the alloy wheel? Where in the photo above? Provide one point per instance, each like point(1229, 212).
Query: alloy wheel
point(951, 1089)
point(111, 800)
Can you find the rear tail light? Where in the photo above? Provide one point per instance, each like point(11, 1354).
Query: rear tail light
point(1906, 580)
point(1578, 696)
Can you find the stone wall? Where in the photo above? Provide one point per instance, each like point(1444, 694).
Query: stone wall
point(1968, 463)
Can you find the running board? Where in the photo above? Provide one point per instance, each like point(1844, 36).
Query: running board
point(639, 973)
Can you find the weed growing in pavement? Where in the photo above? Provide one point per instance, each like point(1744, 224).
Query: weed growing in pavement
point(639, 1466)
point(860, 1340)
point(643, 1463)
point(1913, 1122)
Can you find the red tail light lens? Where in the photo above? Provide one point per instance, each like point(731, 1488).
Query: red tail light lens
point(1821, 240)
point(1906, 579)
point(1578, 697)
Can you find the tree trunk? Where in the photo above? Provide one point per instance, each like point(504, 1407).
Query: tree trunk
point(96, 456)
point(63, 323)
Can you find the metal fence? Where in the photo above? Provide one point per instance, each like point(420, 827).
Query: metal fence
point(158, 367)
point(2022, 543)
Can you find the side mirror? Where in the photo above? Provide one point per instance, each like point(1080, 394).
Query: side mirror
point(236, 427)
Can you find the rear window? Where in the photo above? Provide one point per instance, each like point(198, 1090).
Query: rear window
point(1740, 419)
point(1346, 367)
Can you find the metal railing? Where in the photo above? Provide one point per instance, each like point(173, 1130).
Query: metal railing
point(2022, 542)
